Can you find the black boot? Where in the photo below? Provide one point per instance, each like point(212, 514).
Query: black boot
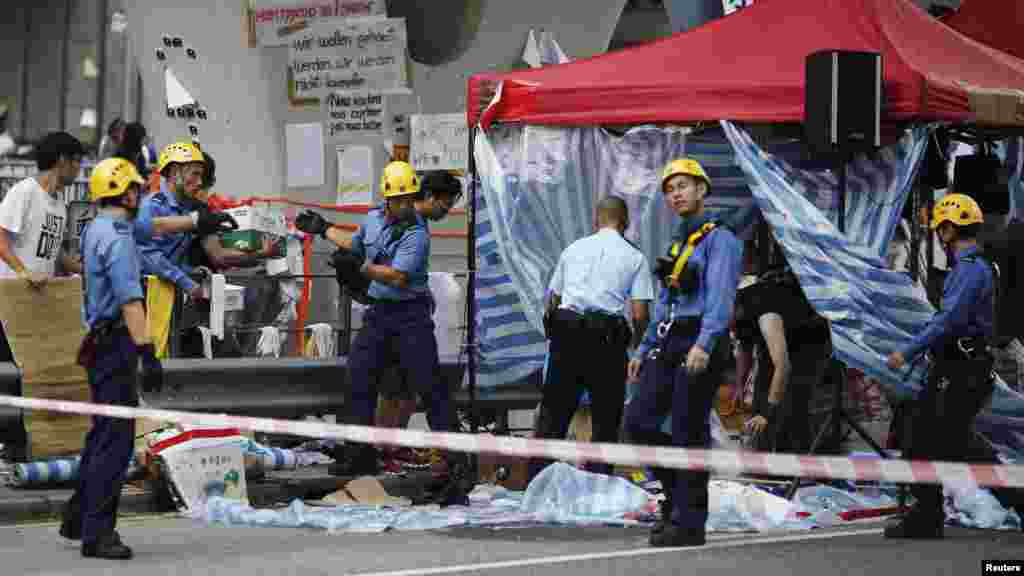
point(108, 546)
point(71, 521)
point(673, 536)
point(354, 460)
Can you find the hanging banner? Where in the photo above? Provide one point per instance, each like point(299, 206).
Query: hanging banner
point(277, 21)
point(355, 115)
point(439, 141)
point(355, 174)
point(358, 55)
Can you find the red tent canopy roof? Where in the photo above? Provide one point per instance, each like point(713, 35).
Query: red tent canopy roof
point(749, 66)
point(997, 23)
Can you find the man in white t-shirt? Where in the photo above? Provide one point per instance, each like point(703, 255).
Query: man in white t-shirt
point(32, 223)
point(33, 217)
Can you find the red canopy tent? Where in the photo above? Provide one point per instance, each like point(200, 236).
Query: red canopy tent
point(997, 23)
point(749, 66)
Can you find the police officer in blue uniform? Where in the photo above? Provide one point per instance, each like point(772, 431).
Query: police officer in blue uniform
point(595, 279)
point(680, 361)
point(392, 249)
point(117, 352)
point(941, 418)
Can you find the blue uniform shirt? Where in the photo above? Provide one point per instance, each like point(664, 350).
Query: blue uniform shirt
point(600, 273)
point(967, 299)
point(165, 256)
point(111, 264)
point(718, 261)
point(408, 253)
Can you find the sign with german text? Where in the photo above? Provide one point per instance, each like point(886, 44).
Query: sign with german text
point(439, 141)
point(357, 55)
point(277, 21)
point(356, 114)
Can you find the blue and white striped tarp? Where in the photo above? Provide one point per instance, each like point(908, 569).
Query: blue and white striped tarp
point(46, 472)
point(540, 186)
point(872, 310)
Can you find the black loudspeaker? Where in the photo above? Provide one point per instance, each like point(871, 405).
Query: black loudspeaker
point(982, 177)
point(843, 101)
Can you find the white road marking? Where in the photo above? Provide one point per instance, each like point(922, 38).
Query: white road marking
point(725, 542)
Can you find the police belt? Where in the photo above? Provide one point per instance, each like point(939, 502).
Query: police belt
point(104, 328)
point(611, 326)
point(967, 348)
point(678, 328)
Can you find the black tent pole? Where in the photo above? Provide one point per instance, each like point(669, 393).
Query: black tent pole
point(471, 286)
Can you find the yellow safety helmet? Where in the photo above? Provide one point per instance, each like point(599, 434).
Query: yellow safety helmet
point(183, 152)
point(112, 178)
point(399, 180)
point(687, 166)
point(960, 209)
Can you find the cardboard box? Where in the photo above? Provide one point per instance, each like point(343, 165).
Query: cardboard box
point(254, 223)
point(204, 463)
point(261, 217)
point(250, 241)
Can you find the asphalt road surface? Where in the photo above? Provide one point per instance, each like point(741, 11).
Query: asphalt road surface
point(177, 546)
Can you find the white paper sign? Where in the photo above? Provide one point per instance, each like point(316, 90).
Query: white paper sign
point(305, 150)
point(357, 114)
point(439, 141)
point(361, 54)
point(277, 21)
point(355, 174)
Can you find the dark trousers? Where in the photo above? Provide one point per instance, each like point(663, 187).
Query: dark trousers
point(109, 444)
point(790, 432)
point(940, 423)
point(401, 332)
point(582, 358)
point(664, 385)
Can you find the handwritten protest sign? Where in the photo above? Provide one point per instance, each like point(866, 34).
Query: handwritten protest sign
point(276, 21)
point(439, 141)
point(361, 54)
point(351, 115)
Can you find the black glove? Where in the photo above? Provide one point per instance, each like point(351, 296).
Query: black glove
point(150, 372)
point(347, 269)
point(215, 222)
point(312, 223)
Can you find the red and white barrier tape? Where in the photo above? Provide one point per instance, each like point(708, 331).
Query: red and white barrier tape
point(721, 461)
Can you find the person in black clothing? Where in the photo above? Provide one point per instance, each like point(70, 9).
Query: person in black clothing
point(130, 147)
point(793, 346)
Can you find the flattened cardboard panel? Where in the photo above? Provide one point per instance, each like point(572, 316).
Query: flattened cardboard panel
point(44, 328)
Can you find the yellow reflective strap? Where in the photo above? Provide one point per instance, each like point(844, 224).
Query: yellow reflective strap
point(691, 245)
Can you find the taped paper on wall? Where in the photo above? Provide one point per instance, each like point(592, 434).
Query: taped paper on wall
point(439, 141)
point(355, 174)
point(305, 150)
